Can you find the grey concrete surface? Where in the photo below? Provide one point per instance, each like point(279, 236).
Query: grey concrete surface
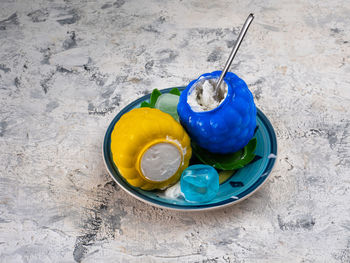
point(68, 67)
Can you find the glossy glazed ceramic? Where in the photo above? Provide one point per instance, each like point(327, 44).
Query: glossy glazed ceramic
point(240, 186)
point(227, 128)
point(136, 132)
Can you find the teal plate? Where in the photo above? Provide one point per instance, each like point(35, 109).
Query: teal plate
point(241, 185)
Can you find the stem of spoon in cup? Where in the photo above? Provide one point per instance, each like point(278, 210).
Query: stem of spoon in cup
point(219, 92)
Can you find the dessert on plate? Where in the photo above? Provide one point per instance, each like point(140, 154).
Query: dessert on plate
point(151, 145)
point(224, 126)
point(150, 148)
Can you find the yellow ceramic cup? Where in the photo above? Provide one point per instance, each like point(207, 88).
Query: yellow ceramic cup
point(150, 148)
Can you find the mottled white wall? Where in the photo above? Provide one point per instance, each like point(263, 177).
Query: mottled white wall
point(68, 67)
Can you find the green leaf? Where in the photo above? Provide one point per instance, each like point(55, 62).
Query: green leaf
point(248, 153)
point(232, 161)
point(251, 146)
point(154, 96)
point(175, 91)
point(145, 104)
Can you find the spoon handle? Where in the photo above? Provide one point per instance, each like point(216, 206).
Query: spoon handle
point(233, 52)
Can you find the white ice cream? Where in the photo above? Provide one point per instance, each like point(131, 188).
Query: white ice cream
point(201, 95)
point(184, 150)
point(272, 156)
point(173, 192)
point(160, 162)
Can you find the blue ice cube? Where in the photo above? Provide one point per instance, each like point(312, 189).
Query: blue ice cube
point(199, 183)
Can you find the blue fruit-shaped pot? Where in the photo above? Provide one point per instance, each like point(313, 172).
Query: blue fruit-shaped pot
point(227, 128)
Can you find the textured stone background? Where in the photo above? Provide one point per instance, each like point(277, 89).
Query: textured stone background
point(68, 67)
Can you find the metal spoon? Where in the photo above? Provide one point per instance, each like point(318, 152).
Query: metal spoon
point(219, 91)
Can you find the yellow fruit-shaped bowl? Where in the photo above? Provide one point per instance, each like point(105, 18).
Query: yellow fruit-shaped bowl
point(150, 148)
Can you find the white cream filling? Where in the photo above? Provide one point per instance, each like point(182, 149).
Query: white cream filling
point(201, 96)
point(160, 162)
point(173, 192)
point(184, 150)
point(272, 156)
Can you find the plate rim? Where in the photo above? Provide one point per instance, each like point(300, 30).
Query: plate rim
point(261, 181)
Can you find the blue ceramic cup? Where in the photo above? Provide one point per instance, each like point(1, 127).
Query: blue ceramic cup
point(226, 128)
